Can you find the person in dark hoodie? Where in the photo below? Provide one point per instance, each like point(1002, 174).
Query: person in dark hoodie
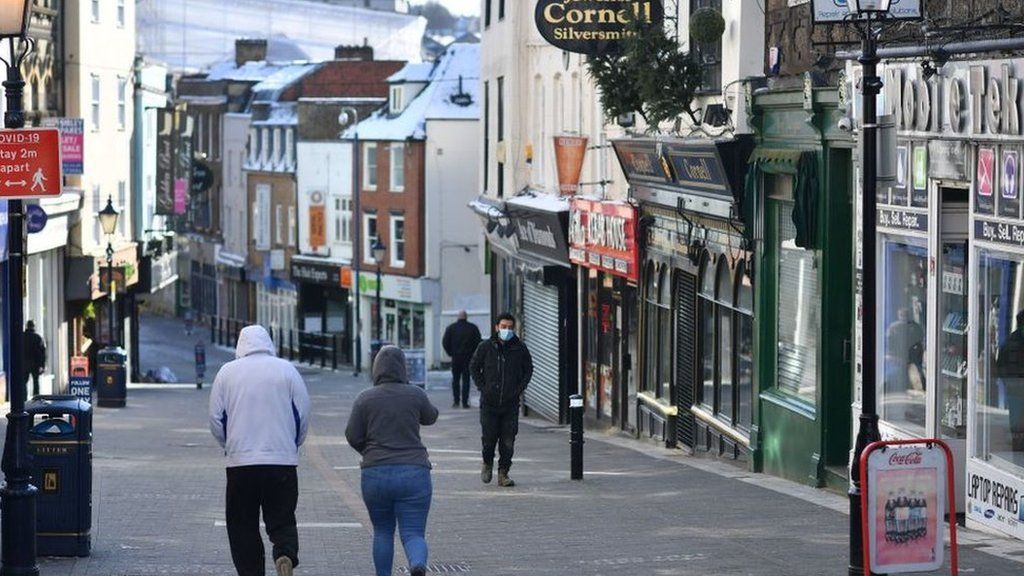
point(259, 414)
point(385, 428)
point(502, 369)
point(1010, 367)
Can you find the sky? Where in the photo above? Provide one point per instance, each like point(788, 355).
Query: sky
point(458, 7)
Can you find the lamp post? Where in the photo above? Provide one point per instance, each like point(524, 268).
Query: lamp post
point(349, 116)
point(108, 221)
point(18, 495)
point(870, 13)
point(378, 257)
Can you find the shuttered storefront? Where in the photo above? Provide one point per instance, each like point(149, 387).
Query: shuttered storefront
point(686, 355)
point(540, 332)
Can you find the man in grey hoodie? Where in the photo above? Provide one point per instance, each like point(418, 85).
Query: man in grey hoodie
point(259, 413)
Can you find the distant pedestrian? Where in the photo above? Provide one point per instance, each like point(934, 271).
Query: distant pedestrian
point(189, 322)
point(35, 356)
point(259, 412)
point(502, 369)
point(460, 342)
point(385, 428)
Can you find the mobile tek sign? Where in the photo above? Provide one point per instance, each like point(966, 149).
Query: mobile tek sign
point(593, 27)
point(30, 163)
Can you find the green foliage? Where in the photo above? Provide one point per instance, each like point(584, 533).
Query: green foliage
point(649, 75)
point(706, 25)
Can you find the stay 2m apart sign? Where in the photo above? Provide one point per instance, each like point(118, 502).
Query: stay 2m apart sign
point(30, 163)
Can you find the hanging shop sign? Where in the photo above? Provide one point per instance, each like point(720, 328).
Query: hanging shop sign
point(165, 162)
point(838, 11)
point(317, 221)
point(183, 172)
point(540, 233)
point(603, 236)
point(72, 140)
point(569, 154)
point(202, 177)
point(995, 499)
point(593, 27)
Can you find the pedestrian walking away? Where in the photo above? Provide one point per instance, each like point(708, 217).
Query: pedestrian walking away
point(460, 341)
point(385, 429)
point(502, 369)
point(35, 356)
point(259, 413)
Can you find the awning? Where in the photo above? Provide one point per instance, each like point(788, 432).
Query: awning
point(803, 166)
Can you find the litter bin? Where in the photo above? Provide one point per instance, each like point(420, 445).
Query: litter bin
point(111, 377)
point(60, 441)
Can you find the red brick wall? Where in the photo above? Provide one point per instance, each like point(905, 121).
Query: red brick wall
point(409, 203)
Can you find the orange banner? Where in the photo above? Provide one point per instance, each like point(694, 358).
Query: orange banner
point(569, 154)
point(317, 226)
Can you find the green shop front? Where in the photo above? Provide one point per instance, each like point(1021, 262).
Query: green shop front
point(800, 213)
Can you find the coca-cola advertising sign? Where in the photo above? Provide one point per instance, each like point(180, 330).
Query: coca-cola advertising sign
point(602, 235)
point(906, 492)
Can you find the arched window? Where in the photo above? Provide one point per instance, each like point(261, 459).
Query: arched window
point(724, 390)
point(665, 333)
point(744, 352)
point(650, 328)
point(706, 303)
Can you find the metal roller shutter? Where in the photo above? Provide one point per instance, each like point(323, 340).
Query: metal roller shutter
point(540, 332)
point(686, 355)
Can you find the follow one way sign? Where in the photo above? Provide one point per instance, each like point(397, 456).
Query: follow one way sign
point(30, 163)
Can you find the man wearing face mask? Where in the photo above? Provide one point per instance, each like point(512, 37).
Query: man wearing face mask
point(501, 369)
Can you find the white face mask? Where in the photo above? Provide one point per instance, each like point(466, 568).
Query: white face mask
point(505, 334)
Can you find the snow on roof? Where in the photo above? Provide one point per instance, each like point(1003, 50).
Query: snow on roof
point(435, 102)
point(281, 114)
point(540, 201)
point(413, 73)
point(270, 78)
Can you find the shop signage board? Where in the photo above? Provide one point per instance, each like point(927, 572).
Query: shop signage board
point(903, 219)
point(72, 142)
point(541, 233)
point(30, 163)
point(317, 273)
point(603, 236)
point(643, 161)
point(593, 27)
point(1006, 233)
point(838, 11)
point(908, 488)
point(202, 177)
point(317, 221)
point(985, 181)
point(995, 499)
point(947, 159)
point(1009, 184)
point(165, 162)
point(919, 196)
point(569, 154)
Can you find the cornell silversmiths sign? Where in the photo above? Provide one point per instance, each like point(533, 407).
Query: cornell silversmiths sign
point(593, 27)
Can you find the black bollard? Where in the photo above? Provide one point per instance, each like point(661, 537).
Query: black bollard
point(576, 436)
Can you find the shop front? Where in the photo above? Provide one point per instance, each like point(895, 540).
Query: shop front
point(236, 299)
point(409, 313)
point(951, 278)
point(798, 200)
point(696, 293)
point(325, 307)
point(603, 246)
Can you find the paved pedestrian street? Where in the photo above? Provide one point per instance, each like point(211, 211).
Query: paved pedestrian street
point(159, 490)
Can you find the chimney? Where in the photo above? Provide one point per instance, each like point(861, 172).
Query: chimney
point(250, 50)
point(358, 53)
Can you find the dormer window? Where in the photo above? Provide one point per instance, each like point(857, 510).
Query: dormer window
point(396, 100)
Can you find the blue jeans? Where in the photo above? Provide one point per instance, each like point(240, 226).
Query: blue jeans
point(397, 493)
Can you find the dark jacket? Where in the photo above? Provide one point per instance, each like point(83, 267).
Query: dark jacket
point(501, 371)
point(461, 340)
point(35, 351)
point(385, 422)
point(1011, 357)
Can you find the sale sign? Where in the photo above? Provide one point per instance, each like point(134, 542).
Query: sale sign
point(30, 163)
point(72, 142)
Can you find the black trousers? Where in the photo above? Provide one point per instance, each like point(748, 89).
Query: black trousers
point(460, 380)
point(499, 426)
point(275, 491)
point(33, 375)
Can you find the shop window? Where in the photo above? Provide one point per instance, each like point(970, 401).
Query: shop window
point(724, 389)
point(797, 318)
point(904, 314)
point(706, 302)
point(999, 404)
point(651, 334)
point(665, 331)
point(744, 356)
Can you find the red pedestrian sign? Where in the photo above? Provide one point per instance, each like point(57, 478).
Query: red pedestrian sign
point(30, 163)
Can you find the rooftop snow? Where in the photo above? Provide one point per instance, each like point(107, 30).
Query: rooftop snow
point(434, 102)
point(541, 201)
point(413, 73)
point(281, 114)
point(270, 77)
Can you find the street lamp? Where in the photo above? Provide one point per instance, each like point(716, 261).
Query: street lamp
point(378, 249)
point(349, 116)
point(108, 221)
point(18, 495)
point(867, 16)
